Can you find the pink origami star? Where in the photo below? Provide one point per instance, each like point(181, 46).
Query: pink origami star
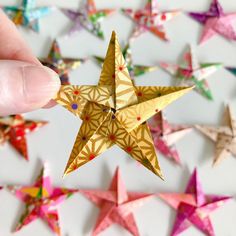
point(165, 135)
point(116, 205)
point(41, 201)
point(150, 19)
point(193, 207)
point(215, 22)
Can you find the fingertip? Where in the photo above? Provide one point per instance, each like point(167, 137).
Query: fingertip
point(25, 87)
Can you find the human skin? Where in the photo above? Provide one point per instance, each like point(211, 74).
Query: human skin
point(25, 85)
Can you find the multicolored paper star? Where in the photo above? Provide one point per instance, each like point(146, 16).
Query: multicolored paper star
point(88, 17)
point(41, 201)
point(165, 136)
point(15, 128)
point(223, 136)
point(216, 21)
point(116, 205)
point(193, 207)
point(150, 19)
point(27, 14)
point(190, 72)
point(115, 112)
point(134, 70)
point(62, 66)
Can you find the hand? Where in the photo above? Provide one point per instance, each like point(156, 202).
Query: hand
point(25, 84)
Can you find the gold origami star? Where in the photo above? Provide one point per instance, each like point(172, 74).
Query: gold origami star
point(115, 112)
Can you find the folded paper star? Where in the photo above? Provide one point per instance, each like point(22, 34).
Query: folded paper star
point(14, 129)
point(88, 17)
point(190, 72)
point(193, 207)
point(134, 70)
point(62, 66)
point(232, 70)
point(115, 112)
point(165, 136)
point(216, 21)
point(223, 136)
point(27, 14)
point(41, 201)
point(116, 205)
point(150, 19)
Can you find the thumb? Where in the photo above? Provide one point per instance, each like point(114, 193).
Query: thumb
point(25, 87)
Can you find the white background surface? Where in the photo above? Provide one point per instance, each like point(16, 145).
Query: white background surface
point(54, 142)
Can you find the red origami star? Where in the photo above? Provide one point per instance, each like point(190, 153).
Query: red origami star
point(14, 129)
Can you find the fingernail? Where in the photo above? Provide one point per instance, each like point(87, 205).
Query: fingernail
point(40, 84)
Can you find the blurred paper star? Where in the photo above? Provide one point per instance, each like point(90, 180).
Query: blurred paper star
point(215, 22)
point(14, 129)
point(62, 66)
point(41, 201)
point(88, 17)
point(150, 19)
point(134, 70)
point(27, 14)
point(165, 135)
point(190, 72)
point(116, 205)
point(223, 136)
point(193, 207)
point(232, 70)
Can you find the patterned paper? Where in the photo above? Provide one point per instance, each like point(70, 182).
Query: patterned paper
point(134, 70)
point(116, 205)
point(62, 66)
point(165, 136)
point(216, 21)
point(193, 207)
point(41, 201)
point(27, 14)
point(88, 17)
point(190, 72)
point(115, 112)
point(223, 136)
point(150, 19)
point(14, 130)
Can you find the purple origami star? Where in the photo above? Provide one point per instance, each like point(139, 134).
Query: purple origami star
point(215, 21)
point(193, 207)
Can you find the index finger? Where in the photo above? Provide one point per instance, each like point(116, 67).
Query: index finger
point(12, 45)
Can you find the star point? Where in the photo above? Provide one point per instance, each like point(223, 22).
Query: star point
point(113, 113)
point(134, 69)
